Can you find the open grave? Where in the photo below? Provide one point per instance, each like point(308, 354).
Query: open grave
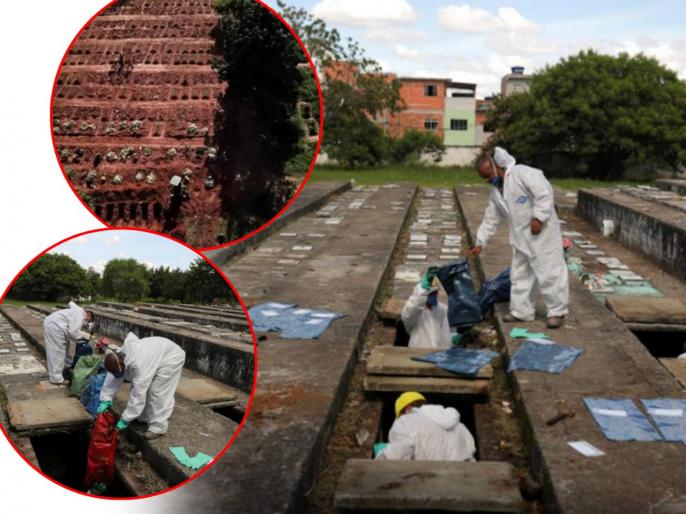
point(52, 428)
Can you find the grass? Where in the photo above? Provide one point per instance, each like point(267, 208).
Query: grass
point(437, 176)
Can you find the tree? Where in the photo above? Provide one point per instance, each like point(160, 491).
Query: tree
point(126, 280)
point(258, 132)
point(355, 91)
point(51, 278)
point(596, 116)
point(204, 284)
point(95, 281)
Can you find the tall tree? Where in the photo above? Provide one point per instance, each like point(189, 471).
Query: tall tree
point(596, 116)
point(126, 280)
point(53, 277)
point(204, 284)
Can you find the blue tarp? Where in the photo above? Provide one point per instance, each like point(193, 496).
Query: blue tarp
point(459, 360)
point(669, 414)
point(620, 420)
point(90, 397)
point(291, 321)
point(463, 303)
point(543, 355)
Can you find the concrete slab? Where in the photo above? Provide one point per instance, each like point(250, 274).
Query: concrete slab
point(676, 367)
point(471, 389)
point(397, 360)
point(436, 486)
point(310, 198)
point(301, 382)
point(647, 310)
point(614, 365)
point(202, 390)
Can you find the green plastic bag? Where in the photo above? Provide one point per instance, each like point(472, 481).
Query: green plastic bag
point(87, 366)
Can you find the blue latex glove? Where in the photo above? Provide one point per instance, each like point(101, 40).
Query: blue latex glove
point(378, 447)
point(103, 406)
point(429, 277)
point(121, 425)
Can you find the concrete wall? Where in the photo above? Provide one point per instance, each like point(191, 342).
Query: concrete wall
point(665, 243)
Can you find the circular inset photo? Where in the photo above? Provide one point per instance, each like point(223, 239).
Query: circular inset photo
point(127, 363)
point(200, 119)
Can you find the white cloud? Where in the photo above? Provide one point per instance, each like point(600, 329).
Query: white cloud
point(113, 240)
point(365, 13)
point(465, 18)
point(409, 54)
point(395, 35)
point(148, 264)
point(99, 266)
point(511, 43)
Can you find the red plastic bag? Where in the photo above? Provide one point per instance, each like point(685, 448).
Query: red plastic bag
point(102, 450)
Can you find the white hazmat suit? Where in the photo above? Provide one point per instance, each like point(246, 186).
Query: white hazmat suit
point(428, 328)
point(429, 432)
point(537, 260)
point(59, 328)
point(153, 365)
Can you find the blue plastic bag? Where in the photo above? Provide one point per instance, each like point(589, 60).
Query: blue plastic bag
point(90, 397)
point(463, 303)
point(496, 289)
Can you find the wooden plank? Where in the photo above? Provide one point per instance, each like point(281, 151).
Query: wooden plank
point(389, 485)
point(655, 327)
point(204, 390)
point(397, 360)
point(47, 413)
point(647, 310)
point(394, 384)
point(676, 367)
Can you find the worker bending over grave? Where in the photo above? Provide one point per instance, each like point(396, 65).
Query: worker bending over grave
point(59, 328)
point(153, 365)
point(427, 432)
point(524, 197)
point(425, 318)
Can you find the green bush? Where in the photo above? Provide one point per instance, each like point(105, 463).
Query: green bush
point(409, 148)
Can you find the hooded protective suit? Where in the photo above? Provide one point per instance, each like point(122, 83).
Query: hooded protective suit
point(429, 432)
point(428, 328)
point(537, 260)
point(153, 365)
point(59, 328)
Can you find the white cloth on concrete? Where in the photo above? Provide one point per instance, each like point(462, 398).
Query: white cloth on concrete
point(537, 260)
point(59, 328)
point(429, 432)
point(428, 328)
point(153, 365)
point(682, 356)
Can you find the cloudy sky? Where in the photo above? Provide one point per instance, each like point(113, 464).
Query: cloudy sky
point(95, 250)
point(479, 42)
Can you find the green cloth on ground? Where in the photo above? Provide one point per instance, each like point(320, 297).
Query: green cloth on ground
point(378, 447)
point(196, 462)
point(87, 366)
point(524, 332)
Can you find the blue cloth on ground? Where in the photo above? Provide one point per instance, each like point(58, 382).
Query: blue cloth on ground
point(496, 289)
point(462, 361)
point(463, 303)
point(292, 322)
point(90, 397)
point(620, 420)
point(543, 355)
point(669, 414)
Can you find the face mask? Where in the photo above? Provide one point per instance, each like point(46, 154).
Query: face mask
point(432, 299)
point(91, 326)
point(495, 181)
point(118, 374)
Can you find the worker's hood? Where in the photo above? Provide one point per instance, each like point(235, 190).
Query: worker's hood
point(503, 158)
point(446, 418)
point(72, 305)
point(130, 337)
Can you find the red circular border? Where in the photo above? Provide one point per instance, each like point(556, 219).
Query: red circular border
point(254, 343)
point(283, 209)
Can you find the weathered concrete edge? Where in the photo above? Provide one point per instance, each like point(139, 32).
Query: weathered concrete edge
point(223, 255)
point(314, 462)
point(538, 465)
point(193, 318)
point(673, 185)
point(586, 201)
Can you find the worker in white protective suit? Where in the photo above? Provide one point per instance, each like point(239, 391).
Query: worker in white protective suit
point(153, 365)
point(59, 328)
point(524, 197)
point(427, 432)
point(424, 318)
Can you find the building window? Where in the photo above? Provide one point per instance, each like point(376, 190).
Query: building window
point(431, 90)
point(458, 124)
point(431, 124)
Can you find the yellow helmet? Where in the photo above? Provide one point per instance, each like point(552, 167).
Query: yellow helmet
point(406, 399)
